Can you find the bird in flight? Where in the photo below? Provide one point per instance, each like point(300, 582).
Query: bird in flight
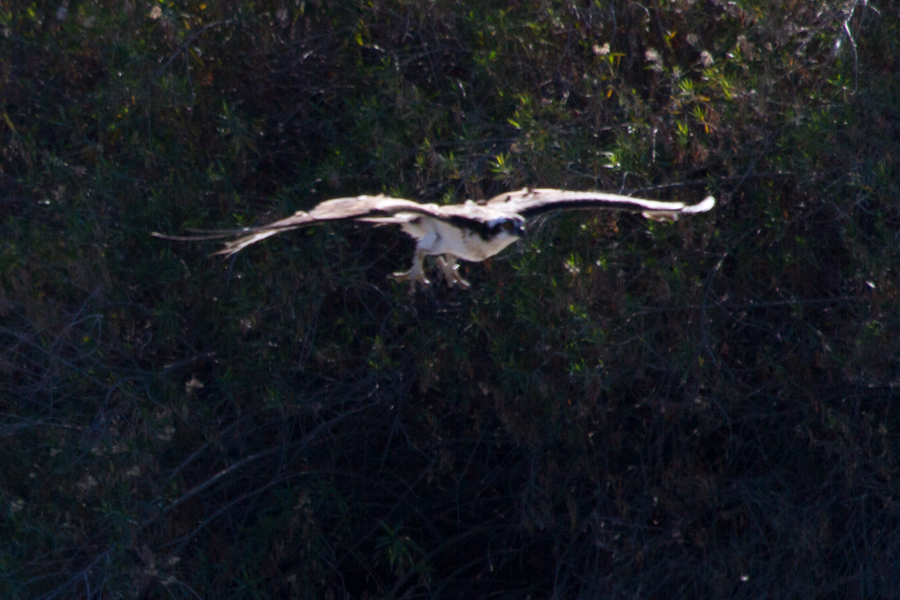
point(472, 231)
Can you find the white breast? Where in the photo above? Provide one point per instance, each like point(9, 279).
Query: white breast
point(438, 237)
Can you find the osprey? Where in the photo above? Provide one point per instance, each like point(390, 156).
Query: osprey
point(471, 231)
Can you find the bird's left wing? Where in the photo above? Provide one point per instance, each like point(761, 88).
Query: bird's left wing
point(533, 202)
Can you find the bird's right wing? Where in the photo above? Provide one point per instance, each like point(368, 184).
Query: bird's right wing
point(358, 208)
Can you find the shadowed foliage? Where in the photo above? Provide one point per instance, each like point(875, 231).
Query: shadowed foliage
point(617, 408)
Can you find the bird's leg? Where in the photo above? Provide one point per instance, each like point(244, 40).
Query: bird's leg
point(450, 270)
point(416, 274)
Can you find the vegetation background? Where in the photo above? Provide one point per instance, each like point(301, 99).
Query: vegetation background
point(617, 409)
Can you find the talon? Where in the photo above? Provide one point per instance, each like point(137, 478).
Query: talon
point(410, 276)
point(416, 274)
point(450, 270)
point(413, 276)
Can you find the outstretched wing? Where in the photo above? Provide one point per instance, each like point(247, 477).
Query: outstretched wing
point(533, 202)
point(376, 209)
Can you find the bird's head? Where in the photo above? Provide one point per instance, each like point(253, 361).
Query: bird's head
point(512, 226)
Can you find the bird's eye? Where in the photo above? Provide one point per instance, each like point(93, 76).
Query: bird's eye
point(507, 225)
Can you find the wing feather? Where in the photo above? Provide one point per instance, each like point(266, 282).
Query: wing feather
point(533, 202)
point(359, 208)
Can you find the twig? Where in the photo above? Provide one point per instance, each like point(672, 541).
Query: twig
point(749, 305)
point(184, 46)
point(682, 184)
point(187, 361)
